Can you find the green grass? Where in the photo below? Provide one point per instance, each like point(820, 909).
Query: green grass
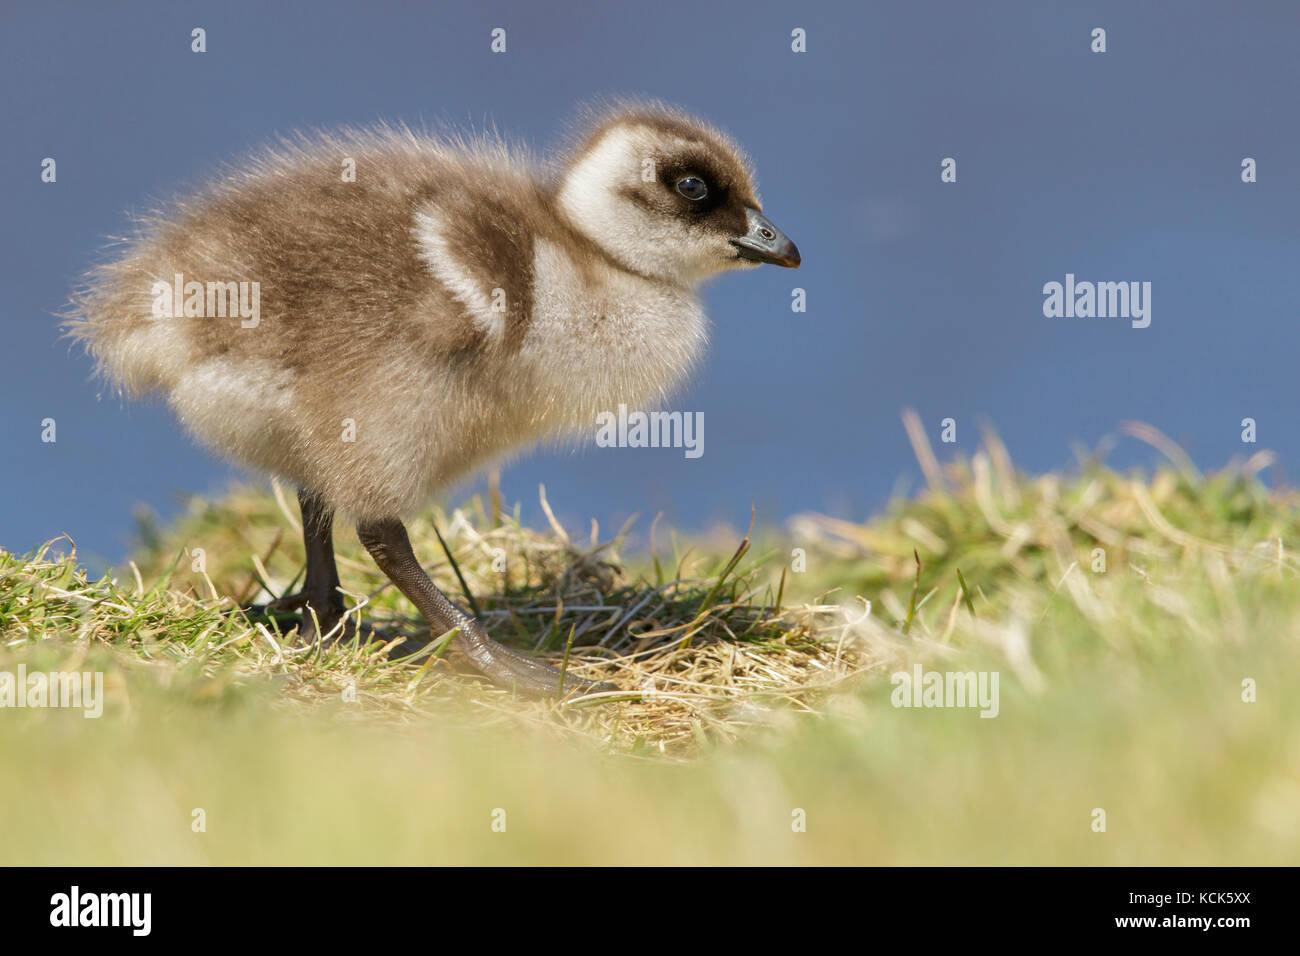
point(752, 690)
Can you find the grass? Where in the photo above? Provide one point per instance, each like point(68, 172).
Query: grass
point(1122, 613)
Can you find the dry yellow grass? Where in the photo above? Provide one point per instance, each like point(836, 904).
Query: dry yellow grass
point(750, 693)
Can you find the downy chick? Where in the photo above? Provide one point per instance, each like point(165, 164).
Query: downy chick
point(375, 337)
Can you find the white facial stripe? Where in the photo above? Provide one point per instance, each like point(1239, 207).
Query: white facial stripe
point(590, 197)
point(651, 243)
point(438, 255)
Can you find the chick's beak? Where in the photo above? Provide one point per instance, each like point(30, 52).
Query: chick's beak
point(763, 242)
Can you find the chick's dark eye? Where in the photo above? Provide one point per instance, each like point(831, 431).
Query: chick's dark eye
point(693, 188)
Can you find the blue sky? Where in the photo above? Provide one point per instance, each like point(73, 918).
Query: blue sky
point(1122, 166)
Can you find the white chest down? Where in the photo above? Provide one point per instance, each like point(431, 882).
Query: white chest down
point(595, 342)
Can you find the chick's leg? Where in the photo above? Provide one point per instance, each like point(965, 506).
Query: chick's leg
point(320, 590)
point(388, 544)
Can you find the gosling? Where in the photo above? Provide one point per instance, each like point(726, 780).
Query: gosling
point(374, 315)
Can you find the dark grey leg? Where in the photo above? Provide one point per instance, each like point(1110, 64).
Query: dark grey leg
point(320, 590)
point(388, 544)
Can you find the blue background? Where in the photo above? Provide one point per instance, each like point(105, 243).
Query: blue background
point(1115, 166)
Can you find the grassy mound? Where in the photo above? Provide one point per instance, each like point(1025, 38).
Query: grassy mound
point(1144, 631)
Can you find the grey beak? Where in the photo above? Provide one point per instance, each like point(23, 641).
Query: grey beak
point(763, 242)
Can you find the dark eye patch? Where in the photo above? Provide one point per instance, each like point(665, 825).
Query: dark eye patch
point(682, 179)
